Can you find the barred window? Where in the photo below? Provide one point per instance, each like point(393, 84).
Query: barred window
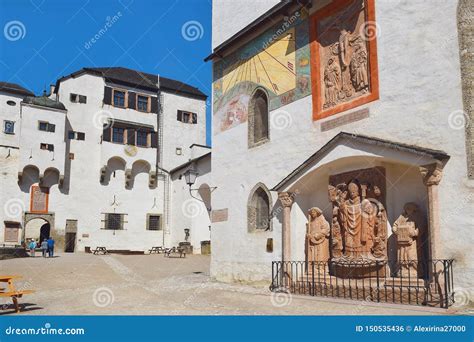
point(114, 221)
point(154, 222)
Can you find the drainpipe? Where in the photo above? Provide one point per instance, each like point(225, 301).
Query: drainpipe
point(162, 173)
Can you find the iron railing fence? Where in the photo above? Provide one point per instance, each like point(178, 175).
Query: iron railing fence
point(413, 282)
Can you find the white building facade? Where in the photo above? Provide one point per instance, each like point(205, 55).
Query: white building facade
point(309, 92)
point(90, 163)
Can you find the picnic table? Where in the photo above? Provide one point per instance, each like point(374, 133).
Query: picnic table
point(99, 250)
point(11, 291)
point(156, 249)
point(175, 250)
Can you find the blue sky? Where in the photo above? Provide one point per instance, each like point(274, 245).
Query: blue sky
point(43, 40)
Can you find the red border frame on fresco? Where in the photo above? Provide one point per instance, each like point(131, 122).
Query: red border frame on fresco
point(318, 112)
point(31, 200)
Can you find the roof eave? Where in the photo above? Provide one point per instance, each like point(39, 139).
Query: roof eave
point(280, 8)
point(438, 155)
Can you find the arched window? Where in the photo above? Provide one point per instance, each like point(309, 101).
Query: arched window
point(258, 118)
point(258, 209)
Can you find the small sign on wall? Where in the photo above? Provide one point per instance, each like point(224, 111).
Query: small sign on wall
point(220, 215)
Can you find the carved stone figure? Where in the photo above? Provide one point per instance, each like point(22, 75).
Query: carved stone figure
point(359, 218)
point(356, 218)
point(379, 249)
point(317, 236)
point(407, 229)
point(358, 66)
point(332, 82)
point(343, 55)
point(336, 235)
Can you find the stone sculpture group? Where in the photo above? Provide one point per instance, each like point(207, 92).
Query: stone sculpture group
point(358, 230)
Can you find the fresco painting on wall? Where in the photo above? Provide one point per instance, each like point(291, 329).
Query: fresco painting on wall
point(277, 61)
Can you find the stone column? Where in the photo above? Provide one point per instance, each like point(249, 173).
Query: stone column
point(286, 200)
point(431, 177)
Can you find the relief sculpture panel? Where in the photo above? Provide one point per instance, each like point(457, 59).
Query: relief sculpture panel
point(343, 57)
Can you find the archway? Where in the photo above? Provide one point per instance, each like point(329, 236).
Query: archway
point(37, 229)
point(37, 226)
point(45, 232)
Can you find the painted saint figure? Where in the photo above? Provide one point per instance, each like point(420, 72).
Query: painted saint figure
point(407, 229)
point(317, 236)
point(332, 82)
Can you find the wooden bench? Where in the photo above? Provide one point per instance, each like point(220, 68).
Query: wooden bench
point(11, 291)
point(99, 250)
point(175, 250)
point(157, 250)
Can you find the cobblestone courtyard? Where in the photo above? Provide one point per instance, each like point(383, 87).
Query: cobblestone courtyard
point(85, 284)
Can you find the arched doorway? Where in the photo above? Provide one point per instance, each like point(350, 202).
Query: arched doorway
point(45, 232)
point(37, 229)
point(37, 226)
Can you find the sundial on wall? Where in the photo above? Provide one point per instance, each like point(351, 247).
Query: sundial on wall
point(273, 67)
point(277, 61)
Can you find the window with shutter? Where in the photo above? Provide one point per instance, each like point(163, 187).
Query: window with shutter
point(107, 95)
point(119, 98)
point(82, 99)
point(154, 139)
point(118, 135)
point(142, 138)
point(71, 135)
point(130, 136)
point(154, 104)
point(81, 136)
point(180, 116)
point(51, 128)
point(142, 103)
point(106, 133)
point(132, 98)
